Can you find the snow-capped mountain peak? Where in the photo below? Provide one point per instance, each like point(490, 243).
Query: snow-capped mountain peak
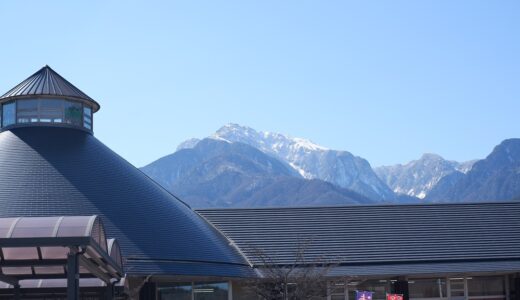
point(265, 139)
point(418, 177)
point(310, 160)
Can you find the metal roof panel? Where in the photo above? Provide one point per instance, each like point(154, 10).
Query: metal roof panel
point(46, 82)
point(375, 234)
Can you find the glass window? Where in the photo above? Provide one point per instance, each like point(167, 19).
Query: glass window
point(427, 288)
point(486, 286)
point(87, 117)
point(8, 114)
point(46, 111)
point(175, 291)
point(457, 288)
point(197, 291)
point(210, 291)
point(51, 110)
point(73, 113)
point(27, 111)
point(243, 291)
point(337, 290)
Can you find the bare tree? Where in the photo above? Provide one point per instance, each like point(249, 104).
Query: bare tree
point(133, 286)
point(303, 279)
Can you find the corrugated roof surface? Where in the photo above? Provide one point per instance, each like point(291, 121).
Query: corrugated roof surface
point(46, 82)
point(376, 236)
point(48, 171)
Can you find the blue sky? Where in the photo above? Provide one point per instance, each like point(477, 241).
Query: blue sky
point(385, 80)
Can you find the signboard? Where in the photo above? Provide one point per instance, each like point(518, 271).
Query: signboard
point(364, 295)
point(394, 297)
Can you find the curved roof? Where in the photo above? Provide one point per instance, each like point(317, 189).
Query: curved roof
point(46, 82)
point(37, 248)
point(49, 171)
point(115, 251)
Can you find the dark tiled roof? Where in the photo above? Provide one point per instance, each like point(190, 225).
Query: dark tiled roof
point(47, 171)
point(375, 237)
point(46, 82)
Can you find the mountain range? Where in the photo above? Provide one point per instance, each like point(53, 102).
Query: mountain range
point(495, 178)
point(238, 166)
point(418, 177)
point(218, 173)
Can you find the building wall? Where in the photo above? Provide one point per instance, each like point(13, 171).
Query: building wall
point(469, 287)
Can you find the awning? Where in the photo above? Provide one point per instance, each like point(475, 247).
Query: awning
point(35, 249)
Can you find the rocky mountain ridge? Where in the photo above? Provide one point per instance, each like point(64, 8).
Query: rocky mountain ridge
point(495, 178)
point(218, 173)
point(238, 166)
point(310, 160)
point(418, 177)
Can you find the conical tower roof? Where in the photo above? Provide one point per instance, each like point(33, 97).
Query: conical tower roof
point(53, 171)
point(61, 171)
point(46, 82)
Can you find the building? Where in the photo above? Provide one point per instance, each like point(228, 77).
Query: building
point(437, 251)
point(51, 165)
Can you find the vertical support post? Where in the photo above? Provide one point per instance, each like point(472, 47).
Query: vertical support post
point(16, 292)
point(109, 291)
point(230, 290)
point(466, 294)
point(439, 284)
point(72, 274)
point(346, 289)
point(448, 288)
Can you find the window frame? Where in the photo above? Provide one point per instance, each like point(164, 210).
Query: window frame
point(41, 119)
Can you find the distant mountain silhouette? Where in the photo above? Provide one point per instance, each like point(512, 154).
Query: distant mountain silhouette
point(241, 167)
point(495, 178)
point(418, 177)
point(310, 160)
point(217, 173)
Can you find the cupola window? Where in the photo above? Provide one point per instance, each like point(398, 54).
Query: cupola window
point(51, 110)
point(47, 99)
point(87, 117)
point(73, 113)
point(8, 114)
point(47, 111)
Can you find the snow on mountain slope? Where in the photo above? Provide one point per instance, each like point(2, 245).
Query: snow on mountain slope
point(418, 177)
point(218, 173)
point(495, 178)
point(311, 160)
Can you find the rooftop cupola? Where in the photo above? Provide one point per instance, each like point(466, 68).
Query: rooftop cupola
point(47, 99)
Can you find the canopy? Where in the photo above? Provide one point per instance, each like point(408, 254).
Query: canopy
point(41, 248)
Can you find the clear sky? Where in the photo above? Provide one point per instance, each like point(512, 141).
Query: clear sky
point(385, 80)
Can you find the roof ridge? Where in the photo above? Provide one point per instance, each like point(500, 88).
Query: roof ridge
point(378, 205)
